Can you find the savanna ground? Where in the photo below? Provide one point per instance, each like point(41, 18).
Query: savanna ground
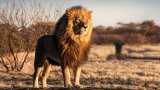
point(141, 70)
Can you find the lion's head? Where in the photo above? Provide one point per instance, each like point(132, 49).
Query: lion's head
point(73, 31)
point(76, 22)
point(79, 20)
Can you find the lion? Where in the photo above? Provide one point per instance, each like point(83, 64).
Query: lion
point(68, 47)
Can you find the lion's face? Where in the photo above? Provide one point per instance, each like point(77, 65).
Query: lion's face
point(80, 25)
point(76, 25)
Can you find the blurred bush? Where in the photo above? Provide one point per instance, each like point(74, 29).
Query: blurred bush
point(146, 32)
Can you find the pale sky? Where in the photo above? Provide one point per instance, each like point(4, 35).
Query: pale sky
point(109, 12)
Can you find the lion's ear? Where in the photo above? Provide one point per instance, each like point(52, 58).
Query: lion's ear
point(67, 10)
point(68, 13)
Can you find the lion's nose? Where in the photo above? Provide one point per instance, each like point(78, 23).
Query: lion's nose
point(85, 26)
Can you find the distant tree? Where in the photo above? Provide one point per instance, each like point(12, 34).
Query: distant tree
point(12, 44)
point(20, 28)
point(148, 24)
point(109, 28)
point(130, 25)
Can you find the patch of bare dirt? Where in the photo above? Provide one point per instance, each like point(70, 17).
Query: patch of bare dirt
point(99, 73)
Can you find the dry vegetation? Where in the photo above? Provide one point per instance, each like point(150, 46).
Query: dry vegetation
point(142, 73)
point(146, 32)
point(20, 29)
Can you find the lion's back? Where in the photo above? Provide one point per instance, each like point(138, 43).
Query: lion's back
point(47, 45)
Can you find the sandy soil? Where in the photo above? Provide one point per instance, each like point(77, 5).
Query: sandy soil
point(142, 72)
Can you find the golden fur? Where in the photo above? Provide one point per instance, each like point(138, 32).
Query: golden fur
point(73, 47)
point(67, 47)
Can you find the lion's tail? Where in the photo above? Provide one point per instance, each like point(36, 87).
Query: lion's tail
point(39, 54)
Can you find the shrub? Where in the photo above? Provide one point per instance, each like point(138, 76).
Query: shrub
point(144, 33)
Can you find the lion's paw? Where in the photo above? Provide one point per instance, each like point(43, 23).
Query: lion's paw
point(77, 86)
point(69, 86)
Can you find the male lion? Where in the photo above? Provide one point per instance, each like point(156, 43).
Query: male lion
point(68, 47)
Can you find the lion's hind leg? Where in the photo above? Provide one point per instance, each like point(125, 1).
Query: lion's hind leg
point(46, 71)
point(36, 76)
point(38, 66)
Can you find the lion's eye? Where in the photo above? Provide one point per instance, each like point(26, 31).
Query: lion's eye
point(77, 21)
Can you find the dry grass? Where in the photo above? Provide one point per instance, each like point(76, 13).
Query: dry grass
point(140, 73)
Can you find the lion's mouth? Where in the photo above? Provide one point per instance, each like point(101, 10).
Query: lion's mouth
point(84, 31)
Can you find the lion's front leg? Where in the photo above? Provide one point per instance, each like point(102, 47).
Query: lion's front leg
point(66, 76)
point(77, 72)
